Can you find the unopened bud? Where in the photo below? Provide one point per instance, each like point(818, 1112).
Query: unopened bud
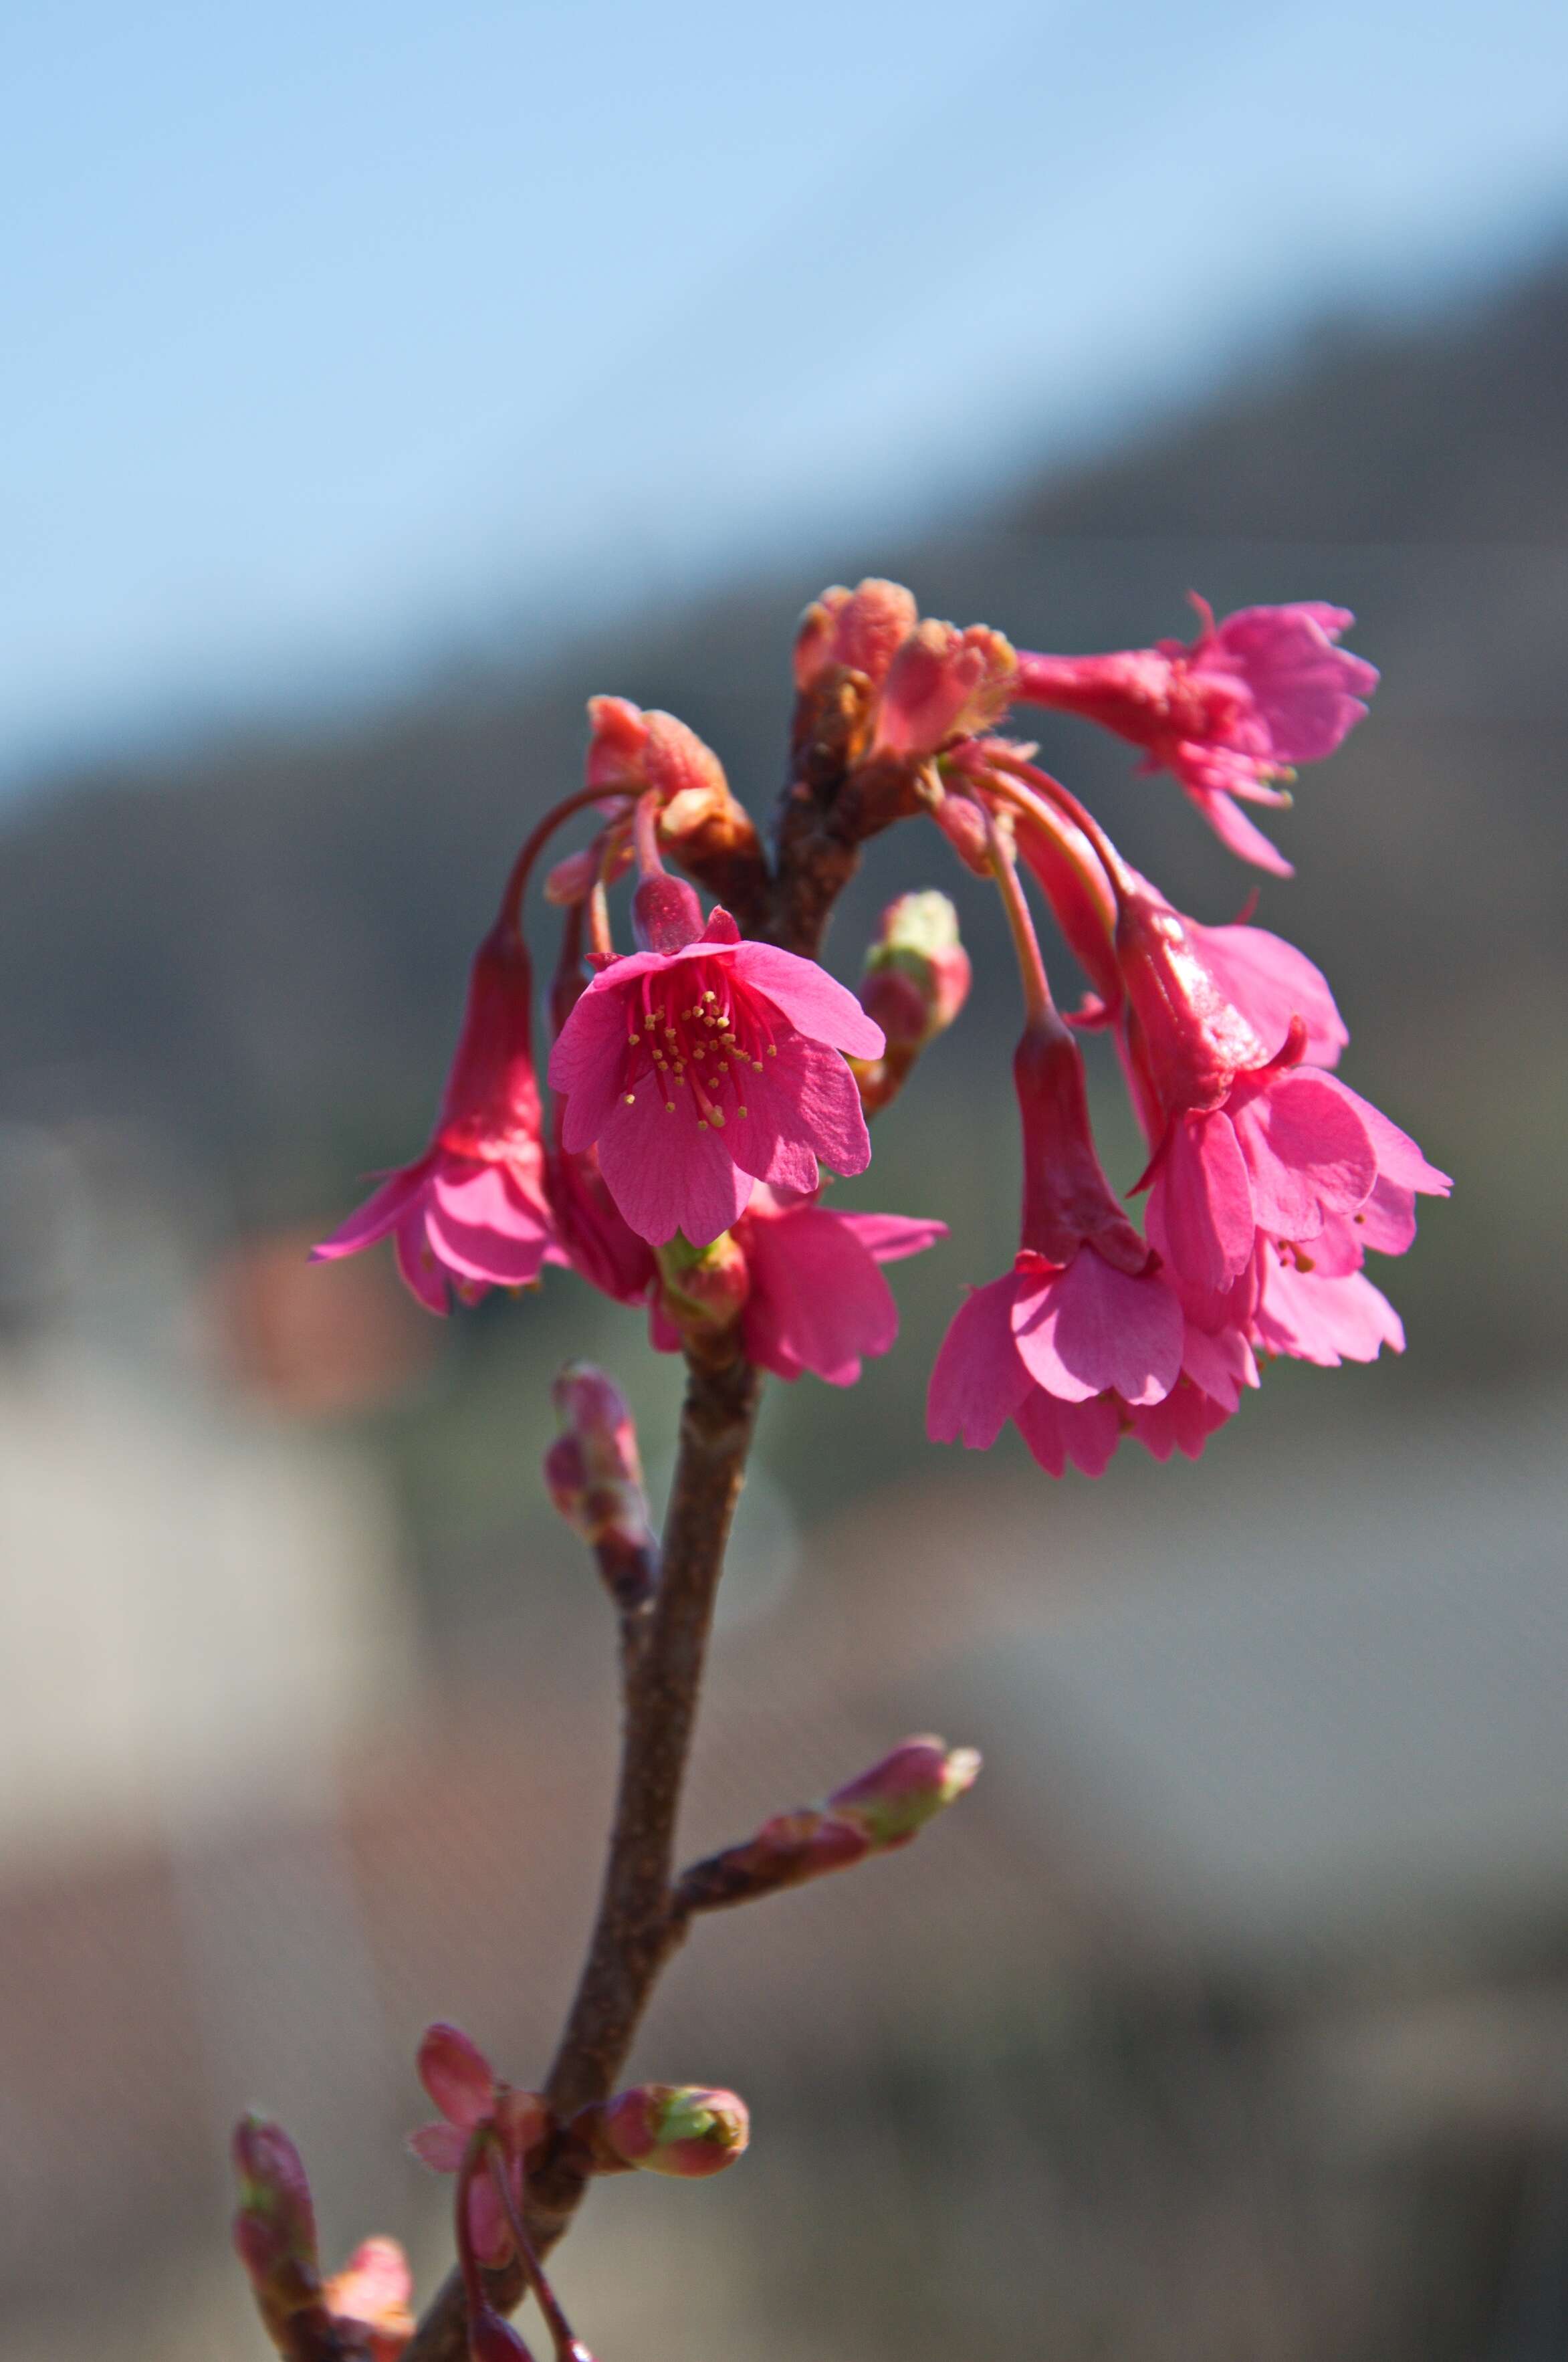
point(573, 879)
point(943, 683)
point(703, 1289)
point(666, 915)
point(861, 629)
point(275, 2228)
point(595, 1474)
point(699, 822)
point(917, 972)
point(963, 824)
point(897, 1796)
point(680, 2129)
point(882, 1809)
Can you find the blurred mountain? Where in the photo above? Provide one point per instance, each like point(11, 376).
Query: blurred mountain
point(254, 951)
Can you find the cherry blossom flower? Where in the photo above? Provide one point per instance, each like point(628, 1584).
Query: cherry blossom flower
point(1231, 714)
point(473, 1211)
point(817, 1300)
point(698, 1069)
point(464, 2086)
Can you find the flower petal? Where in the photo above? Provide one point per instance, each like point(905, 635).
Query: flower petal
point(670, 1172)
point(484, 1226)
point(817, 1300)
point(1200, 1203)
point(1085, 1433)
point(1093, 1328)
point(1308, 1151)
point(891, 1237)
point(381, 1212)
point(1235, 830)
point(810, 998)
point(979, 1380)
point(803, 1104)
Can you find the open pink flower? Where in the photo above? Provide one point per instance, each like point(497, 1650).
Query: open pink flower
point(697, 1070)
point(817, 1300)
point(473, 1211)
point(1230, 715)
point(1290, 1158)
point(471, 2097)
point(1084, 1333)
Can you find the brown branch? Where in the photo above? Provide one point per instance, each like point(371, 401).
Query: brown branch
point(817, 851)
point(634, 1934)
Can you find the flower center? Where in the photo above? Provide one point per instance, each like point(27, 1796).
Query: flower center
point(693, 1038)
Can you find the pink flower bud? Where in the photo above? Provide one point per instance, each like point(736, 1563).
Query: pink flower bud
point(703, 1289)
point(963, 824)
point(700, 823)
point(572, 880)
point(897, 1796)
point(676, 2128)
point(943, 683)
point(861, 630)
point(666, 915)
point(492, 2339)
point(276, 2223)
point(917, 972)
point(458, 2076)
point(595, 1479)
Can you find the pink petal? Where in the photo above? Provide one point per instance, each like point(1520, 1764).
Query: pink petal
point(1220, 1362)
point(891, 1237)
point(1092, 1329)
point(587, 1063)
point(813, 1001)
point(720, 928)
point(803, 1104)
point(1399, 1158)
point(1306, 1150)
point(1271, 982)
point(457, 2074)
point(670, 1172)
point(1326, 1320)
point(1309, 693)
point(1085, 1433)
point(1201, 1204)
point(422, 1274)
point(440, 2146)
point(381, 1212)
point(482, 1226)
point(818, 1299)
point(1183, 1422)
point(977, 1381)
point(1236, 832)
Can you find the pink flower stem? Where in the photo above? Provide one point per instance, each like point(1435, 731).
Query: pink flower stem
point(645, 836)
point(1039, 1007)
point(535, 843)
point(545, 2297)
point(1036, 793)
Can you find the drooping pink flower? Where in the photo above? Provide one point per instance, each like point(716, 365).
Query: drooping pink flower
point(593, 1234)
point(817, 1300)
point(473, 1211)
point(1084, 1331)
point(1231, 714)
point(696, 1070)
point(464, 2086)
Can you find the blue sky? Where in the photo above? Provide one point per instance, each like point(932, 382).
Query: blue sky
point(333, 333)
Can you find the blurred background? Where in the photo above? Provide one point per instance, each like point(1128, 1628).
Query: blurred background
point(380, 383)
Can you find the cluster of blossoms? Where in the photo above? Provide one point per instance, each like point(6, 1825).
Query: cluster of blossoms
point(702, 1086)
point(701, 1083)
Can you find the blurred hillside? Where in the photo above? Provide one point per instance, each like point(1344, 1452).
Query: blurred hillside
point(249, 959)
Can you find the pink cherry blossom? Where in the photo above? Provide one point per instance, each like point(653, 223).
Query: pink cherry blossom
point(699, 1069)
point(1085, 1331)
point(1228, 715)
point(464, 2086)
point(817, 1300)
point(472, 1212)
